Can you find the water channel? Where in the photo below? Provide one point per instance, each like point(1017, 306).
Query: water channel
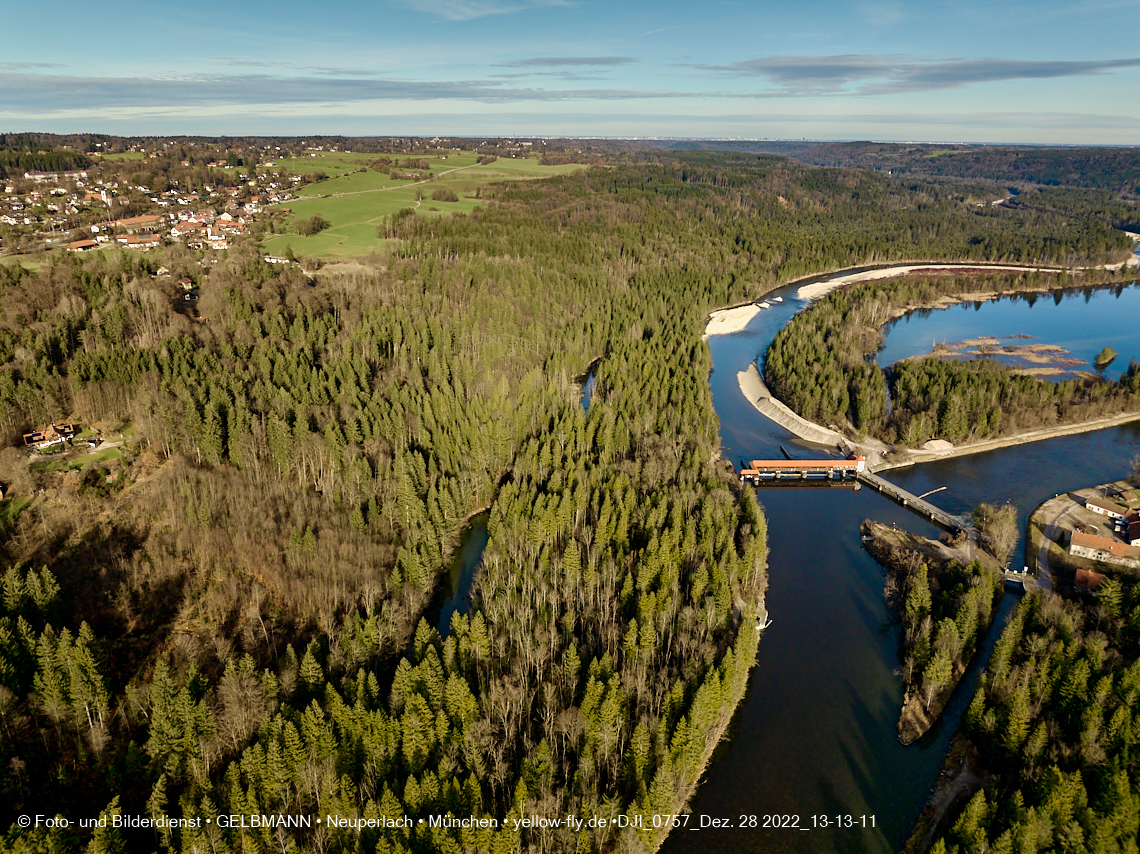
point(816, 733)
point(453, 595)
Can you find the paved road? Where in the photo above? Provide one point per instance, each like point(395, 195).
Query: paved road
point(1051, 533)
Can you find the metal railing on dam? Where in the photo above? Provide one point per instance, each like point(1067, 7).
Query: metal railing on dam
point(913, 502)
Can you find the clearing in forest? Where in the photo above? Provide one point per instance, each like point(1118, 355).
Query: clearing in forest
point(355, 202)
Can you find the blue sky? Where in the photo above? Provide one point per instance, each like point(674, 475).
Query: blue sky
point(997, 71)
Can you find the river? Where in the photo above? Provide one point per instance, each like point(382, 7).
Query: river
point(1081, 321)
point(816, 733)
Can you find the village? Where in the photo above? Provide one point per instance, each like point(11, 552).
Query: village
point(1091, 533)
point(76, 210)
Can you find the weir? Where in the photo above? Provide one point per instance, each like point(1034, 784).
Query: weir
point(805, 472)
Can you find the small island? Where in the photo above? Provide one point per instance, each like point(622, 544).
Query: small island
point(1105, 357)
point(944, 593)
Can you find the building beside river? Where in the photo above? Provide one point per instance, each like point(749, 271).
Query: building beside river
point(1103, 550)
point(1106, 507)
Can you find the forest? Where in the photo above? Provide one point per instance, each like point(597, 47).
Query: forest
point(227, 616)
point(1054, 727)
point(1103, 168)
point(820, 365)
point(14, 162)
point(944, 606)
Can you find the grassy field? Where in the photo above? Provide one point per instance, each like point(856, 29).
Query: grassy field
point(28, 262)
point(11, 509)
point(122, 155)
point(70, 462)
point(332, 163)
point(355, 204)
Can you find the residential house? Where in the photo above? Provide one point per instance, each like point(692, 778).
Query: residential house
point(53, 434)
point(147, 224)
point(143, 242)
point(1106, 507)
point(1131, 532)
point(1088, 582)
point(1103, 550)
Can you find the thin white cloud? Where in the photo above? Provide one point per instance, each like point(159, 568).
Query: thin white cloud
point(32, 91)
point(568, 61)
point(324, 71)
point(856, 74)
point(28, 66)
point(465, 10)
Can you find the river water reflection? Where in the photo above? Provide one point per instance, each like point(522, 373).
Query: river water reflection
point(1082, 321)
point(816, 733)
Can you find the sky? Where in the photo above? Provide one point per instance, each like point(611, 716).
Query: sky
point(1051, 71)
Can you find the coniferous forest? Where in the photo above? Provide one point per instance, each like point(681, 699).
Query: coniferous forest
point(821, 365)
point(227, 618)
point(1055, 720)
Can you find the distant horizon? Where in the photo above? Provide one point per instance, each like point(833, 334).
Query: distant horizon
point(1051, 72)
point(583, 137)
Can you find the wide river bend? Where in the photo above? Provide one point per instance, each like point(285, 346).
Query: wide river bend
point(816, 733)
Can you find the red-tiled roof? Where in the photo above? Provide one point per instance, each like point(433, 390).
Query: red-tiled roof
point(1103, 544)
point(1087, 580)
point(799, 464)
point(1106, 504)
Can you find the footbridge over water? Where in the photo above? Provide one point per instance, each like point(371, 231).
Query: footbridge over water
point(805, 472)
point(913, 502)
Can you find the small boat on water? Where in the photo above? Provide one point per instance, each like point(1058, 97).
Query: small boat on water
point(763, 305)
point(777, 299)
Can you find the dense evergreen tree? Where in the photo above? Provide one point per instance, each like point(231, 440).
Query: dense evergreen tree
point(237, 628)
point(1053, 720)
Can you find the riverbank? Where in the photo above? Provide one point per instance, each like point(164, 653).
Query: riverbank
point(735, 318)
point(734, 684)
point(728, 320)
point(957, 782)
point(882, 457)
point(753, 388)
point(819, 289)
point(900, 553)
point(911, 456)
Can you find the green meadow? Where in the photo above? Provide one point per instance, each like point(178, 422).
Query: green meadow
point(123, 155)
point(356, 203)
point(332, 163)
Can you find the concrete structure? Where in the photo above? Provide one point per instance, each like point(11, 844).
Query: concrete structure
point(1103, 550)
point(917, 504)
point(760, 470)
